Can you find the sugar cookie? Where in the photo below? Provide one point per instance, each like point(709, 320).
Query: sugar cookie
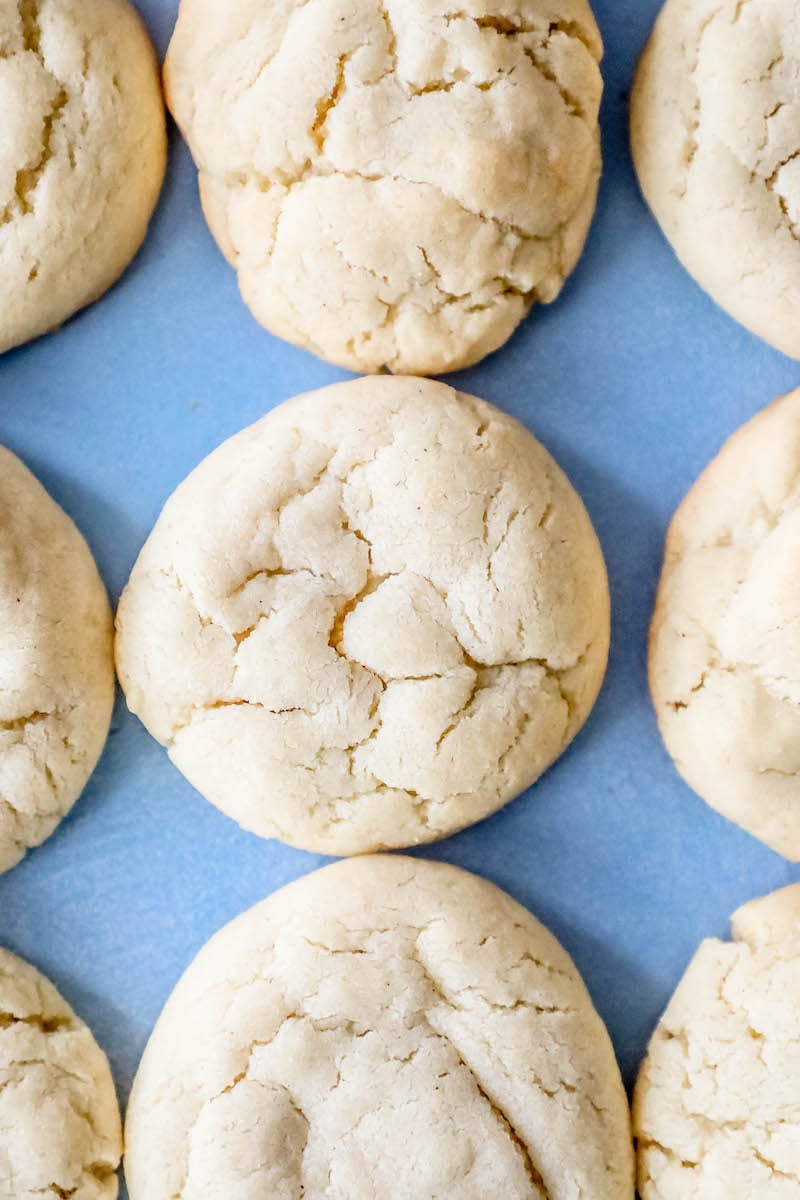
point(717, 1110)
point(716, 141)
point(395, 181)
point(56, 662)
point(724, 653)
point(82, 155)
point(368, 620)
point(385, 1027)
point(60, 1131)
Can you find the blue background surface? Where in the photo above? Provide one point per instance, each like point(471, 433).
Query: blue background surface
point(633, 379)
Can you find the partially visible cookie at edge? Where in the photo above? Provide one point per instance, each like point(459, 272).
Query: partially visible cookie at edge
point(724, 653)
point(715, 130)
point(60, 1130)
point(56, 662)
point(369, 620)
point(385, 1027)
point(397, 182)
point(716, 1109)
point(82, 155)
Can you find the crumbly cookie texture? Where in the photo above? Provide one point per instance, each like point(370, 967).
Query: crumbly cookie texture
point(716, 141)
point(56, 662)
point(724, 657)
point(370, 619)
point(60, 1132)
point(384, 1027)
point(82, 155)
point(395, 181)
point(716, 1110)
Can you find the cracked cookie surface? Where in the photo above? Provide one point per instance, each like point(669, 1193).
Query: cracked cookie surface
point(60, 1132)
point(384, 1027)
point(372, 618)
point(396, 182)
point(56, 662)
point(724, 656)
point(82, 155)
point(715, 130)
point(716, 1110)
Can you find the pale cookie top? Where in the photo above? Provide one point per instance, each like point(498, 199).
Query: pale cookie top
point(396, 182)
point(368, 620)
point(717, 1107)
point(716, 140)
point(382, 1028)
point(60, 1130)
point(724, 650)
point(56, 663)
point(82, 155)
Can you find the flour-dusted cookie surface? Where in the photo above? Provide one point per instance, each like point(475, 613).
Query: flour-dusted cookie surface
point(56, 662)
point(395, 181)
point(60, 1132)
point(384, 1027)
point(82, 155)
point(724, 657)
point(717, 1109)
point(368, 620)
point(716, 141)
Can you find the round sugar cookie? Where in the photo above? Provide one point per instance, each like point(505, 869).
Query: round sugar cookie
point(385, 1027)
point(370, 619)
point(715, 127)
point(396, 182)
point(60, 1132)
point(717, 1109)
point(56, 662)
point(724, 651)
point(82, 155)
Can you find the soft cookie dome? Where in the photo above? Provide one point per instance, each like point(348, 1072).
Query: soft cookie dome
point(56, 662)
point(724, 654)
point(716, 140)
point(82, 155)
point(396, 183)
point(385, 1027)
point(716, 1111)
point(370, 619)
point(60, 1133)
